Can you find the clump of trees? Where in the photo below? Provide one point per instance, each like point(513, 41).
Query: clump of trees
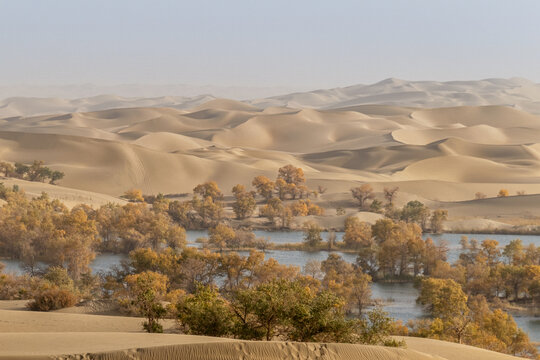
point(363, 194)
point(134, 195)
point(312, 234)
point(282, 200)
point(245, 203)
point(125, 228)
point(468, 319)
point(45, 230)
point(465, 299)
point(204, 211)
point(348, 281)
point(33, 172)
point(389, 249)
point(256, 299)
point(413, 212)
point(279, 309)
point(49, 290)
point(511, 273)
point(502, 193)
point(291, 183)
point(285, 197)
point(277, 213)
point(145, 291)
point(281, 214)
point(225, 237)
point(224, 294)
point(416, 212)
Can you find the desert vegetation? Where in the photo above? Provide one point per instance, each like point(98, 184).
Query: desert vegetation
point(214, 291)
point(33, 172)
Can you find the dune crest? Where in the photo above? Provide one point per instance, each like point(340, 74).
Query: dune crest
point(168, 146)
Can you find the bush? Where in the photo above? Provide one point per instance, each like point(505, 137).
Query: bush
point(59, 277)
point(52, 299)
point(153, 327)
point(205, 313)
point(503, 193)
point(23, 287)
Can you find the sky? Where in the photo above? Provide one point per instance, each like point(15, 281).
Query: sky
point(293, 43)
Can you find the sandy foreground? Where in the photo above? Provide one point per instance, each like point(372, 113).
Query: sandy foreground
point(67, 334)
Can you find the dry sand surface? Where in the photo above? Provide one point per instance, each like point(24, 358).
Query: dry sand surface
point(68, 334)
point(439, 142)
point(517, 92)
point(69, 196)
point(520, 93)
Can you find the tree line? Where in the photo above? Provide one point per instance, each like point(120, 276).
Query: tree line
point(282, 199)
point(32, 172)
point(164, 278)
point(413, 212)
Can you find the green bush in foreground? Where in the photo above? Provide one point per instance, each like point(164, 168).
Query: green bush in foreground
point(280, 310)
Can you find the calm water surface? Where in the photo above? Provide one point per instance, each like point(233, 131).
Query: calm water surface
point(399, 299)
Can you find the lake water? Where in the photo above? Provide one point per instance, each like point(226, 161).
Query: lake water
point(399, 299)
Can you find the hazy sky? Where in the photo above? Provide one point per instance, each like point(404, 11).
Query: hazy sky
point(266, 43)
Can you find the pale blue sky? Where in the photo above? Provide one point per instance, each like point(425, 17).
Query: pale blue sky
point(266, 43)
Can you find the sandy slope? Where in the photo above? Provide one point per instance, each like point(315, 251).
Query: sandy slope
point(28, 106)
point(35, 335)
point(69, 196)
point(453, 351)
point(438, 154)
point(521, 93)
point(516, 92)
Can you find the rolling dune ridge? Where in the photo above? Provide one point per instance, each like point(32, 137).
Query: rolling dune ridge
point(26, 335)
point(453, 152)
point(439, 142)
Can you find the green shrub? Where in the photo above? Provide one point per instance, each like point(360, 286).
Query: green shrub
point(153, 327)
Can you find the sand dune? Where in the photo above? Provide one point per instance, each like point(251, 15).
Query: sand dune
point(433, 154)
point(461, 168)
point(516, 92)
point(21, 106)
point(452, 351)
point(142, 141)
point(66, 335)
point(170, 142)
point(144, 346)
point(481, 134)
point(113, 167)
point(69, 196)
point(163, 346)
point(494, 116)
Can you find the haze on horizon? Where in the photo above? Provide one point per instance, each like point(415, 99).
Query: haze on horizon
point(286, 46)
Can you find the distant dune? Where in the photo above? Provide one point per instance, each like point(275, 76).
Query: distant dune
point(441, 143)
point(519, 93)
point(22, 106)
point(515, 92)
point(479, 138)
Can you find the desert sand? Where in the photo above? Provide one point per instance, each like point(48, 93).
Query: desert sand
point(440, 149)
point(68, 334)
point(439, 142)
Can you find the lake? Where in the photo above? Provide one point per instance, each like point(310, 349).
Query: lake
point(399, 299)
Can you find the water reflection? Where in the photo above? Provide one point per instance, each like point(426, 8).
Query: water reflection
point(399, 298)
